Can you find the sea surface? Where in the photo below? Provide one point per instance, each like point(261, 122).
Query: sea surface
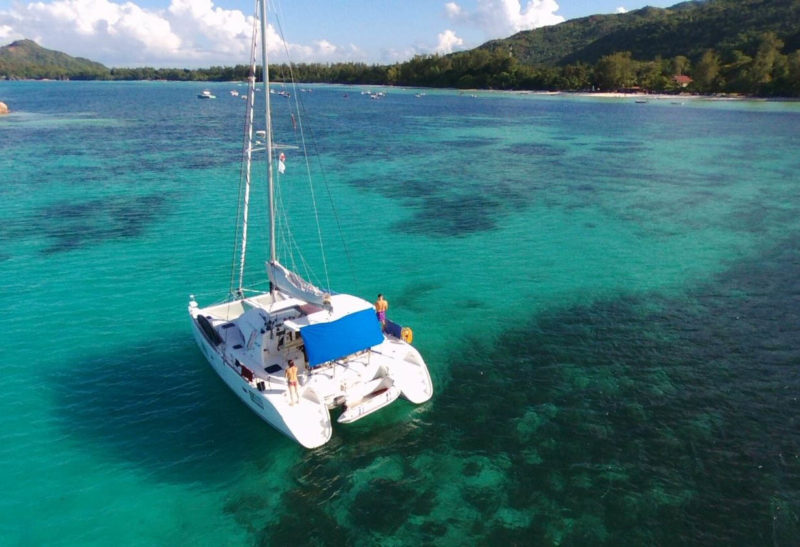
point(607, 294)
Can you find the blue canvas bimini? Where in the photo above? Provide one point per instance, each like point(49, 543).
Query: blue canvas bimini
point(328, 341)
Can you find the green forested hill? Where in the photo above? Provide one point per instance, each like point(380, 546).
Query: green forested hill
point(26, 59)
point(709, 46)
point(687, 29)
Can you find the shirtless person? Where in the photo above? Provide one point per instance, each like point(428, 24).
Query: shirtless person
point(381, 305)
point(291, 379)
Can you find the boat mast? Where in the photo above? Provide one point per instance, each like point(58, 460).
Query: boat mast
point(268, 116)
point(251, 93)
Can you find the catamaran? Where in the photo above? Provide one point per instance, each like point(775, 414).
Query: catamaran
point(347, 363)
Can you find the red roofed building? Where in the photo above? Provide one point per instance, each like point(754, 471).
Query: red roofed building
point(682, 80)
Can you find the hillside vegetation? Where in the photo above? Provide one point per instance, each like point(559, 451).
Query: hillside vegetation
point(687, 29)
point(710, 46)
point(27, 59)
point(733, 46)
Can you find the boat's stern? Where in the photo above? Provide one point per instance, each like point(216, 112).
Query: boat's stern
point(408, 369)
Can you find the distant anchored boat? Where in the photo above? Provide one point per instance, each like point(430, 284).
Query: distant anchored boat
point(206, 94)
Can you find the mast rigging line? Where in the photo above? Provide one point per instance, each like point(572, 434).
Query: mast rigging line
point(274, 193)
point(268, 127)
point(300, 108)
point(300, 124)
point(243, 201)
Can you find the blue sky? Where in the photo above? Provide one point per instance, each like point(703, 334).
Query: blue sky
point(194, 33)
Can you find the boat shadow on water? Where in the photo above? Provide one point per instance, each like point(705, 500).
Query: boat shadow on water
point(174, 422)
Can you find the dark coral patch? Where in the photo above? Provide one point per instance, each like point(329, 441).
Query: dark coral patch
point(69, 226)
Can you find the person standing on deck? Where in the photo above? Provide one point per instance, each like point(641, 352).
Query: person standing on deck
point(381, 305)
point(291, 379)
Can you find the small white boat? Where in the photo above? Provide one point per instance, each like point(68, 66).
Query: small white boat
point(346, 361)
point(206, 94)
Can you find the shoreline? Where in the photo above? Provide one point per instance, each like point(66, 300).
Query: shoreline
point(641, 96)
point(646, 96)
point(664, 96)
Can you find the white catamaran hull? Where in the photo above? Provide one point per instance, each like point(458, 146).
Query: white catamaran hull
point(250, 351)
point(308, 423)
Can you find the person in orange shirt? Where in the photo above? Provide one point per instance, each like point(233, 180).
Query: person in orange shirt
point(291, 379)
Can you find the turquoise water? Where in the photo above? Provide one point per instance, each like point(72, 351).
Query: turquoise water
point(606, 293)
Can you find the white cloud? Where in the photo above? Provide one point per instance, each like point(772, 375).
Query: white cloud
point(621, 9)
point(501, 18)
point(452, 9)
point(448, 41)
point(187, 33)
point(326, 48)
point(207, 31)
point(355, 52)
point(91, 28)
point(394, 55)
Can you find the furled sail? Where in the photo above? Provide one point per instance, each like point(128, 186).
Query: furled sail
point(294, 285)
